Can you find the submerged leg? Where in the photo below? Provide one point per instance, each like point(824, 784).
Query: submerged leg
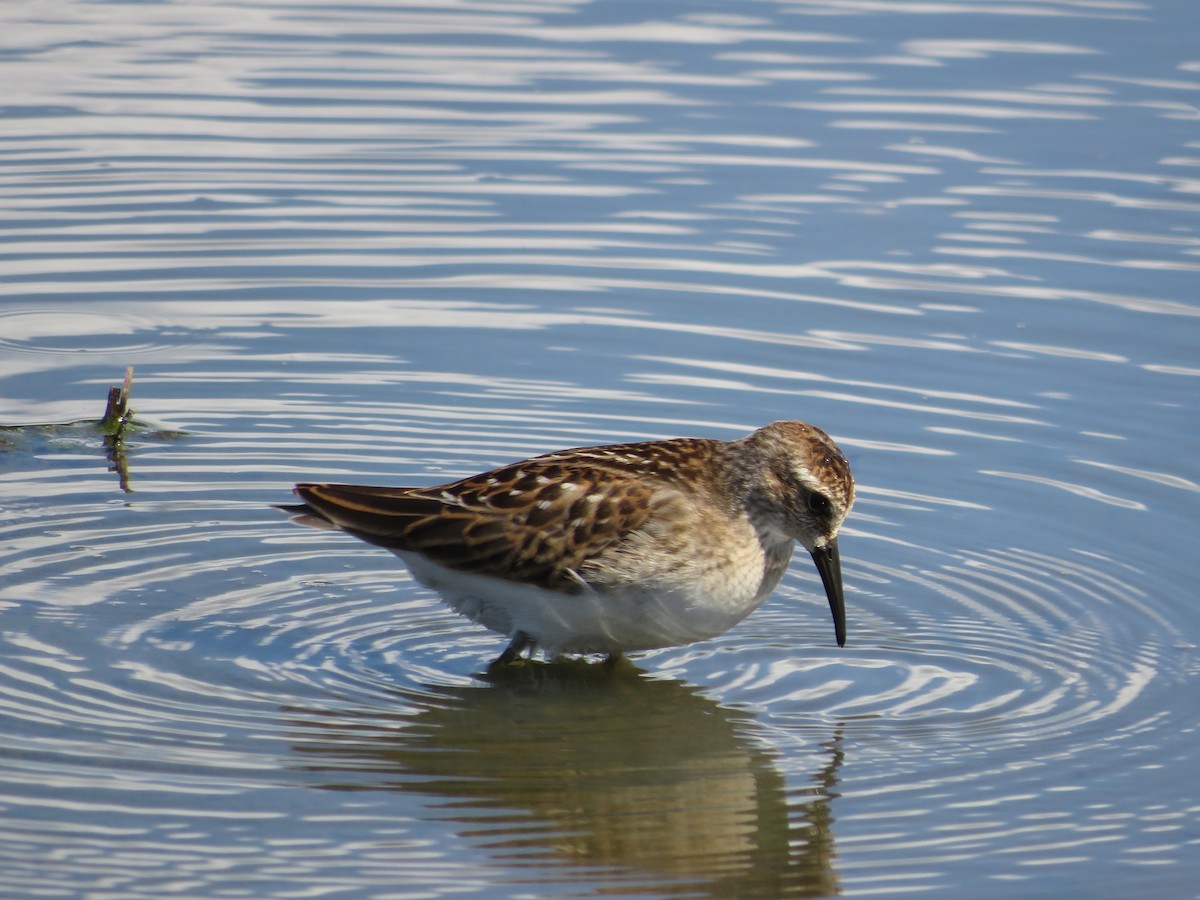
point(519, 644)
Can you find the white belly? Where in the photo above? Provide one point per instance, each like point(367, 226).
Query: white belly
point(616, 619)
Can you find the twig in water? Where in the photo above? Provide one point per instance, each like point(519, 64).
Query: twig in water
point(117, 417)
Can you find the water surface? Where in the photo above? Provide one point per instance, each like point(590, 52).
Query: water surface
point(402, 244)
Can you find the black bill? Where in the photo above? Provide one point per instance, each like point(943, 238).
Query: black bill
point(829, 564)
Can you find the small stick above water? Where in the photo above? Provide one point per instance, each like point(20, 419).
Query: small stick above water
point(118, 415)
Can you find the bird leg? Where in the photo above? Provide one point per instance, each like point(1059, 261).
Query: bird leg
point(519, 644)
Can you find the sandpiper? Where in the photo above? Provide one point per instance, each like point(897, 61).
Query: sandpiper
point(616, 548)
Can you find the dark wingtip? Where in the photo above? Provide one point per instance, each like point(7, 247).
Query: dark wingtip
point(304, 513)
point(298, 509)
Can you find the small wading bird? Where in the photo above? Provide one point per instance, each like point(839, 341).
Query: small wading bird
point(617, 548)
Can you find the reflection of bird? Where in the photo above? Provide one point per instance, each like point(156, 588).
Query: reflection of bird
point(568, 773)
point(617, 548)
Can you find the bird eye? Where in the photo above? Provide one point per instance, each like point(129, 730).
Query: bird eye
point(818, 503)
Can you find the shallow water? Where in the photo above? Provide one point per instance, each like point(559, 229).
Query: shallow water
point(400, 244)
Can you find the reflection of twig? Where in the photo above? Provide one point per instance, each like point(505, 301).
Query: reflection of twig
point(115, 423)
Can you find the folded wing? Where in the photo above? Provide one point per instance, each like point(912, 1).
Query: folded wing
point(530, 522)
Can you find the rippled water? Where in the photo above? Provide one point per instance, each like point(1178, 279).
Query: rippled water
point(404, 243)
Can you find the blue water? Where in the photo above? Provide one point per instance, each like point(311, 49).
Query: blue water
point(404, 243)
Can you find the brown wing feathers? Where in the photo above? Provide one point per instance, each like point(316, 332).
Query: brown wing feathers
point(523, 522)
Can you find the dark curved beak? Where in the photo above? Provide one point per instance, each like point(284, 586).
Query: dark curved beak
point(829, 564)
